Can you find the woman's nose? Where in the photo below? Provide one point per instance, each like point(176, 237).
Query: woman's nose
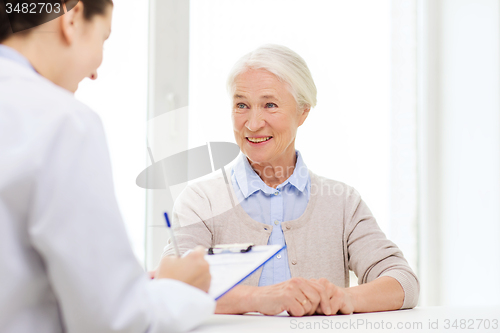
point(255, 121)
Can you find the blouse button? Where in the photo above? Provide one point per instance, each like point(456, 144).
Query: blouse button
point(278, 256)
point(294, 262)
point(276, 222)
point(276, 193)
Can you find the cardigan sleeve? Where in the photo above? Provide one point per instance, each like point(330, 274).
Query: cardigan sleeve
point(190, 215)
point(372, 255)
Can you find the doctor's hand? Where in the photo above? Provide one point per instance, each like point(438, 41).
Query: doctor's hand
point(192, 269)
point(340, 299)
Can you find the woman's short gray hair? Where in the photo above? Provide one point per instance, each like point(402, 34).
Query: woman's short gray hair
point(287, 65)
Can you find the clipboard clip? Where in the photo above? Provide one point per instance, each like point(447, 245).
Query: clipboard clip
point(231, 248)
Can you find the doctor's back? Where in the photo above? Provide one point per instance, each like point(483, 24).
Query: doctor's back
point(66, 264)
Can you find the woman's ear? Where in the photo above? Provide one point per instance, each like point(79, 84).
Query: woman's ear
point(71, 22)
point(304, 112)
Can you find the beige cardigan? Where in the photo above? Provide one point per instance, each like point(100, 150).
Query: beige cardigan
point(336, 233)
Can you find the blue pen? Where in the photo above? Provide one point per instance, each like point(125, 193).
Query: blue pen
point(172, 236)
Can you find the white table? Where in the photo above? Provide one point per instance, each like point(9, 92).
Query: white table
point(420, 319)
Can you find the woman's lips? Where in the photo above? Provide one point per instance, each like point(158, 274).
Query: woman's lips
point(258, 140)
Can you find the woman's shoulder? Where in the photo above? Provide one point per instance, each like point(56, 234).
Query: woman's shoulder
point(208, 196)
point(328, 187)
point(210, 188)
point(208, 185)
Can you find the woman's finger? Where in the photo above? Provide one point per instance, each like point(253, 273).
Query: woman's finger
point(311, 295)
point(295, 308)
point(337, 298)
point(295, 295)
point(324, 304)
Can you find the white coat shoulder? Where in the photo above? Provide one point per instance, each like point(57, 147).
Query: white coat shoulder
point(29, 98)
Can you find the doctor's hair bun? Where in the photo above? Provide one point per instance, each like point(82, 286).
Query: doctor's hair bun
point(18, 16)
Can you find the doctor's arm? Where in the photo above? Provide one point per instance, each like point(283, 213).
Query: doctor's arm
point(77, 229)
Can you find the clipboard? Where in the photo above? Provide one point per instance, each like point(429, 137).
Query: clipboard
point(230, 266)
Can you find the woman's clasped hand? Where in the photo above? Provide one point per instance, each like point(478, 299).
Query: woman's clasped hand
point(301, 297)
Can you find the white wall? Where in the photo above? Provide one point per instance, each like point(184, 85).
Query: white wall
point(119, 96)
point(167, 112)
point(403, 127)
point(470, 145)
point(459, 240)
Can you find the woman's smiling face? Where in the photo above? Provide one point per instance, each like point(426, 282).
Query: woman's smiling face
point(265, 117)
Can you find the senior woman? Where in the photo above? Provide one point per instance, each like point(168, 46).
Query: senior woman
point(272, 198)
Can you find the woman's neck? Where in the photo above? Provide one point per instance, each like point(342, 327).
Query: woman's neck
point(275, 172)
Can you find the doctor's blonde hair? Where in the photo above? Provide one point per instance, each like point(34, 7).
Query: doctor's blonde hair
point(288, 67)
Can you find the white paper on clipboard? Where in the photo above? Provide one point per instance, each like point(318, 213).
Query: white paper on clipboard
point(229, 269)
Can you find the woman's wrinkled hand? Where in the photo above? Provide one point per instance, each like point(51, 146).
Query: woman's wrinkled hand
point(340, 299)
point(297, 296)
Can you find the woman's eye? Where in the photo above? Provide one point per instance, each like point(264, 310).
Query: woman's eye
point(271, 105)
point(240, 106)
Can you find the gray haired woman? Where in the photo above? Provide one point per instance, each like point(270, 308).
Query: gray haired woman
point(274, 199)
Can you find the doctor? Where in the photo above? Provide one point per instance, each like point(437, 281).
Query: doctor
point(65, 262)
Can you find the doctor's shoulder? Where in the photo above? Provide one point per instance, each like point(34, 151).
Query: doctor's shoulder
point(34, 99)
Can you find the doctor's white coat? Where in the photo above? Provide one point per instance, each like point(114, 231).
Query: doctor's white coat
point(66, 264)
